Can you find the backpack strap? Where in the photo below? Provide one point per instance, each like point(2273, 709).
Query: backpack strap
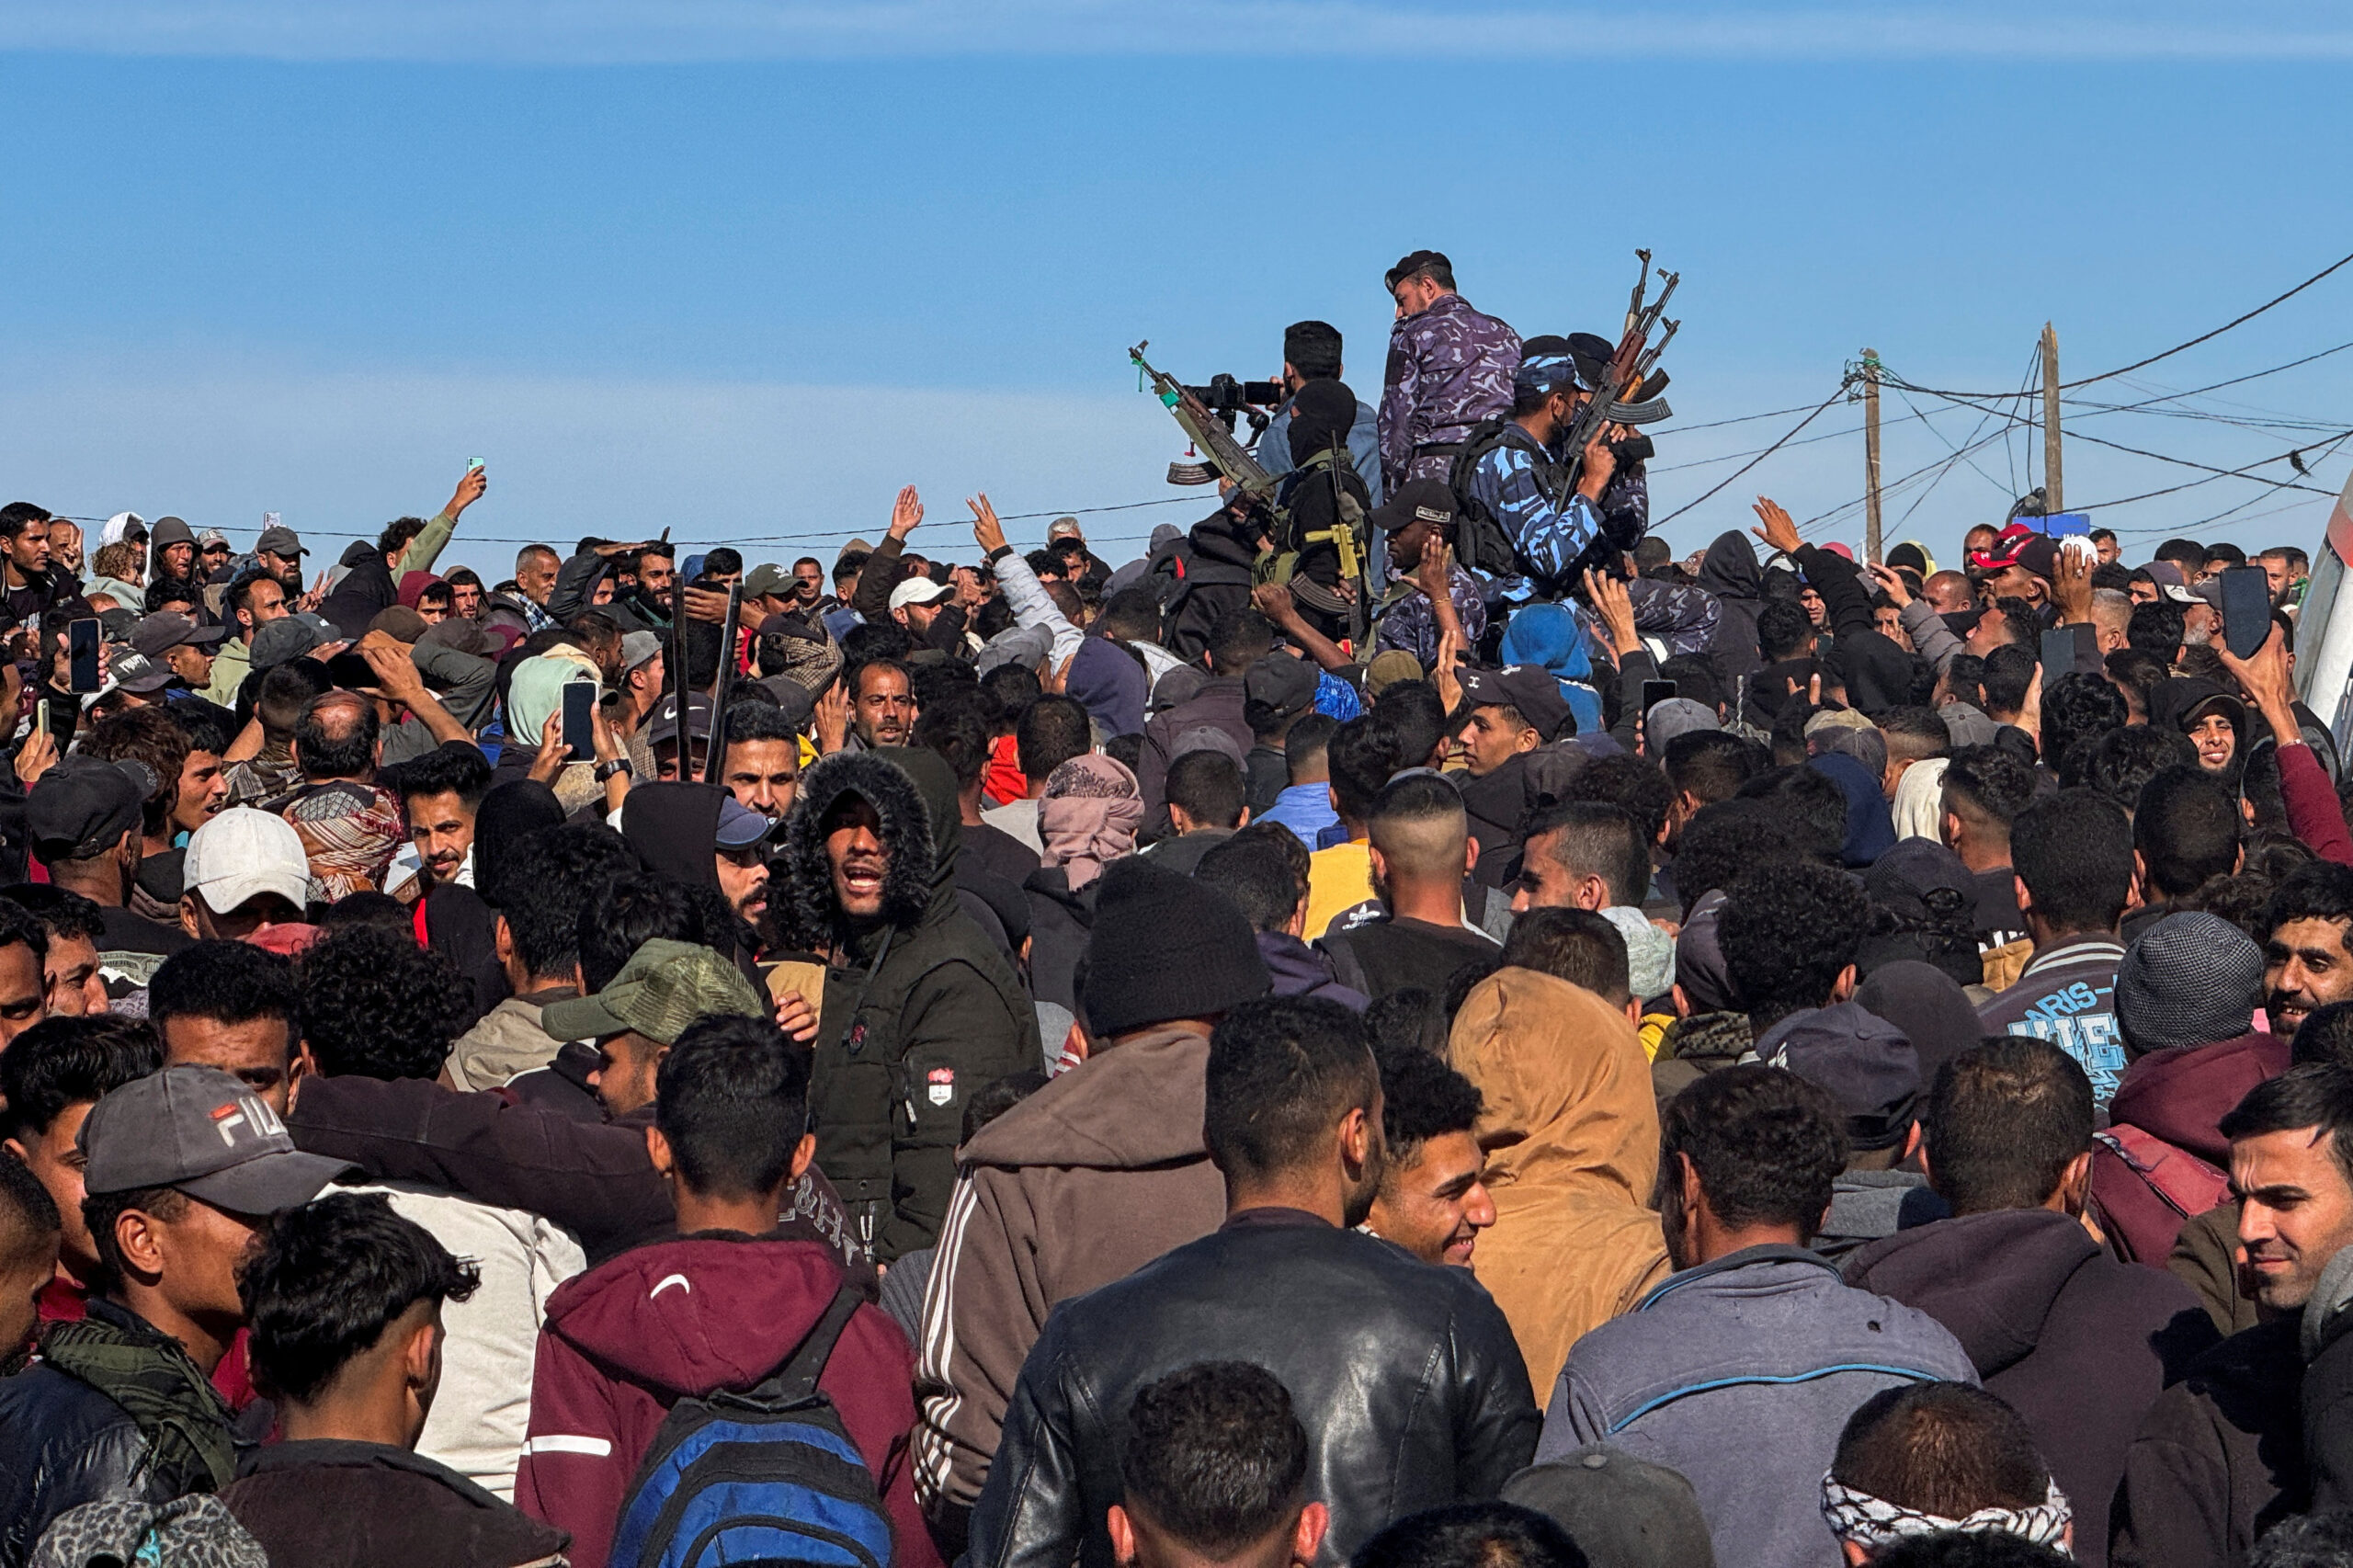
point(797, 1379)
point(2189, 1185)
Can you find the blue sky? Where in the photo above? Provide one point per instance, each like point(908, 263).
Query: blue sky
point(743, 269)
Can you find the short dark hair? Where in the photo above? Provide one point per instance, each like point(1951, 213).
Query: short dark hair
point(1415, 716)
point(2122, 762)
point(1633, 784)
point(338, 751)
point(2077, 709)
point(376, 1005)
point(455, 767)
point(732, 1097)
point(171, 591)
point(631, 910)
point(1215, 1456)
point(285, 691)
point(1257, 875)
point(2319, 890)
point(1596, 838)
point(545, 883)
point(58, 912)
point(1282, 1072)
point(2187, 829)
point(2009, 673)
point(1209, 786)
point(2324, 1036)
point(1782, 628)
point(28, 1217)
point(63, 1061)
point(1723, 842)
point(1711, 765)
point(1914, 731)
point(19, 516)
point(1132, 615)
point(1051, 732)
point(1809, 801)
point(229, 982)
point(1238, 639)
point(2073, 852)
point(1945, 1449)
point(1786, 932)
point(19, 926)
point(1312, 349)
point(1575, 945)
point(2156, 629)
point(1472, 1535)
point(2318, 1095)
point(2004, 1119)
point(1992, 784)
point(1311, 733)
point(959, 734)
point(328, 1278)
point(145, 734)
point(1421, 1098)
point(1767, 1145)
point(1361, 755)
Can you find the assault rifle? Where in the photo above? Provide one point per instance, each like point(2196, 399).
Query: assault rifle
point(1208, 432)
point(1629, 390)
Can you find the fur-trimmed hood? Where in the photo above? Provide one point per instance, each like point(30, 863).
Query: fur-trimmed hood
point(913, 793)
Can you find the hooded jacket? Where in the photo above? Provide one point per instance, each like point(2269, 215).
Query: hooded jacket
point(1083, 1183)
point(1730, 572)
point(1570, 1132)
point(1301, 971)
point(673, 828)
point(2077, 1343)
point(921, 1010)
point(2177, 1097)
point(628, 1340)
point(1217, 705)
point(2219, 1459)
point(1552, 637)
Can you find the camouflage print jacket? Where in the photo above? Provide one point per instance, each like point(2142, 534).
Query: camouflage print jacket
point(1450, 367)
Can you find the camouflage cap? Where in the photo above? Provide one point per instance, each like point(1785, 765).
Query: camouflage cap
point(664, 987)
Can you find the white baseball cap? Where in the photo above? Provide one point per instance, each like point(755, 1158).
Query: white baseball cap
point(242, 853)
point(917, 591)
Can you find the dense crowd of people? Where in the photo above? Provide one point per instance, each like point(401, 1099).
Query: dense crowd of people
point(1011, 1058)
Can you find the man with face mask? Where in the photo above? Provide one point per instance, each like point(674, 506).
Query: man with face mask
point(922, 1009)
point(1352, 1326)
point(1515, 479)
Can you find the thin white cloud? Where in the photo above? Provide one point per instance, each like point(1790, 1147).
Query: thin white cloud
point(649, 31)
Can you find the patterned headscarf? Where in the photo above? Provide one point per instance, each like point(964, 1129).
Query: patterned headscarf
point(1872, 1523)
point(1088, 816)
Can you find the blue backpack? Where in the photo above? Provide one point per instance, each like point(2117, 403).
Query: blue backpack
point(764, 1477)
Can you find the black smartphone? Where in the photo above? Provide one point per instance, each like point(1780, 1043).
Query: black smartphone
point(2247, 609)
point(2061, 650)
point(1655, 692)
point(82, 655)
point(351, 671)
point(580, 720)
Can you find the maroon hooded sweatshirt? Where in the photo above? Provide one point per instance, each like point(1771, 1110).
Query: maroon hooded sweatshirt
point(2176, 1096)
point(627, 1339)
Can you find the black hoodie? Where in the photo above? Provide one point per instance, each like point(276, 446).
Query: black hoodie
point(921, 1010)
point(1730, 572)
point(2079, 1343)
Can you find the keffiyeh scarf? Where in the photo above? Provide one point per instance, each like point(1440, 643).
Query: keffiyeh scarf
point(1872, 1523)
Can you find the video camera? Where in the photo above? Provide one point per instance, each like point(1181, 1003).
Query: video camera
point(1226, 397)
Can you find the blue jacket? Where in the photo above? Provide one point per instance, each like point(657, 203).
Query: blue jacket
point(1450, 367)
point(1273, 450)
point(1740, 1374)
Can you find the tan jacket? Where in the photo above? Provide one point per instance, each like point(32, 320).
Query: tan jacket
point(1570, 1129)
point(1084, 1182)
point(504, 1042)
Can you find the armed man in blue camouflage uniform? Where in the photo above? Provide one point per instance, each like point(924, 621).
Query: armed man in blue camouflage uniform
point(1450, 367)
point(1518, 480)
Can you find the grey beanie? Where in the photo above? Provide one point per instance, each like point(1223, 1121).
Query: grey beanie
point(2192, 979)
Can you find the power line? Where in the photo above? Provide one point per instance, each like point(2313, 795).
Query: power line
point(2179, 347)
point(1835, 394)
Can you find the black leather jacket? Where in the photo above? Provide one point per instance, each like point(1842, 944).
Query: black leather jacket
point(1405, 1376)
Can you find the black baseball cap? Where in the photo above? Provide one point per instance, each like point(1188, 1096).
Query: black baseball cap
point(1416, 500)
point(1527, 688)
point(83, 806)
point(1411, 263)
point(1282, 683)
point(199, 1131)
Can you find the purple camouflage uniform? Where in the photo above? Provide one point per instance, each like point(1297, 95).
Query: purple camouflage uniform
point(1450, 367)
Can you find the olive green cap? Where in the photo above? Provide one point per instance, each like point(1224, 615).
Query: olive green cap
point(664, 987)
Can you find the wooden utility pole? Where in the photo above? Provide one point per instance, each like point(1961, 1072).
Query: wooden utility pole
point(2053, 498)
point(1870, 456)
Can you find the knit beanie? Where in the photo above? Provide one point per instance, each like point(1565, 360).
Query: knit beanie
point(1166, 947)
point(2192, 979)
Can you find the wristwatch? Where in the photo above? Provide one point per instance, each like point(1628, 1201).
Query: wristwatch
point(619, 766)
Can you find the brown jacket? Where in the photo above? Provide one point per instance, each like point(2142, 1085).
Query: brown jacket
point(1088, 1180)
point(1571, 1134)
point(2205, 1259)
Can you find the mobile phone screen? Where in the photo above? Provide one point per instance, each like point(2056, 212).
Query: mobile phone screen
point(579, 719)
point(82, 653)
point(2247, 609)
point(1655, 692)
point(2063, 651)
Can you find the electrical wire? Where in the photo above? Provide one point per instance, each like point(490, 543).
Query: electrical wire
point(1835, 394)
